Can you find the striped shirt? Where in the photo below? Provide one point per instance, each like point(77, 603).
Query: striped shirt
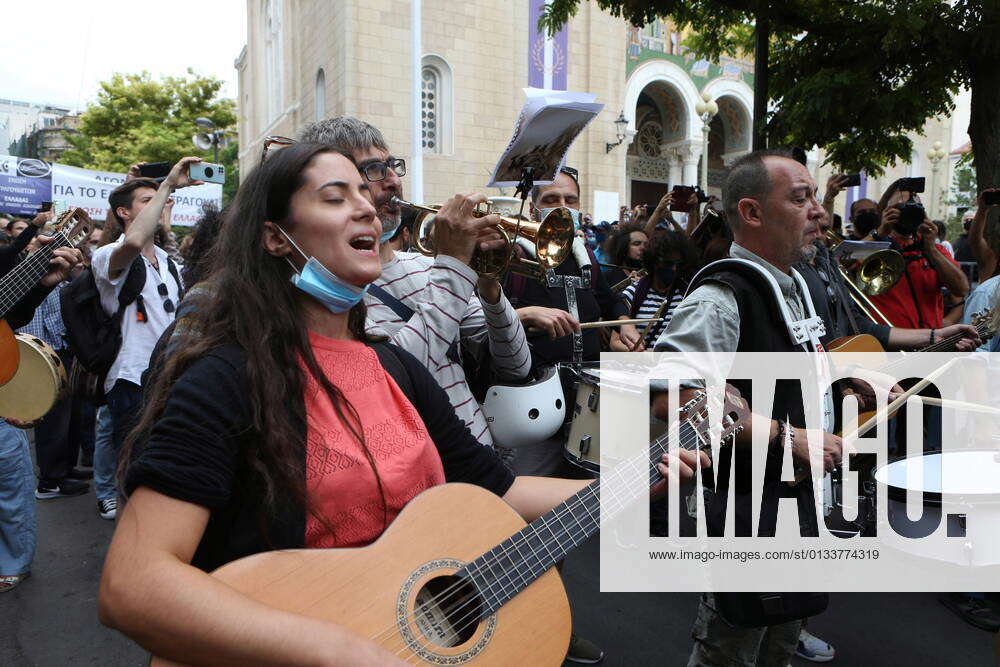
point(440, 292)
point(650, 305)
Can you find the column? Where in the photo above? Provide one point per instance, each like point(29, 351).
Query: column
point(670, 154)
point(690, 152)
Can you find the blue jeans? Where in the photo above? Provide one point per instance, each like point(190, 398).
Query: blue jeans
point(105, 457)
point(124, 404)
point(18, 529)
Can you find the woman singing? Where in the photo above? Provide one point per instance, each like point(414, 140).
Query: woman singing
point(281, 427)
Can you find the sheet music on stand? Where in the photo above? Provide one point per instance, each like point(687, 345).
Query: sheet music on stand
point(549, 123)
point(859, 250)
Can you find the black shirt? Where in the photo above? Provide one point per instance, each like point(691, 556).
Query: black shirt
point(195, 453)
point(593, 303)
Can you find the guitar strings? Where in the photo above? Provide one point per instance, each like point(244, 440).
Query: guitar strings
point(20, 278)
point(448, 592)
point(566, 510)
point(471, 616)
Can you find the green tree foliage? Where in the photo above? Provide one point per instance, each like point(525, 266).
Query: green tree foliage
point(854, 76)
point(137, 119)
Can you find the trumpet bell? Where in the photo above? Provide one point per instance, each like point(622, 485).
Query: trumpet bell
point(552, 238)
point(880, 272)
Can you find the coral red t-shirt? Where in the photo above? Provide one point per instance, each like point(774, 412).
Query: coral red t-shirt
point(898, 304)
point(340, 482)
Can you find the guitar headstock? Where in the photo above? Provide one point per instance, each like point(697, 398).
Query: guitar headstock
point(987, 322)
point(735, 411)
point(80, 228)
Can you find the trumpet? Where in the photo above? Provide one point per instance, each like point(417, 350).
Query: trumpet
point(552, 238)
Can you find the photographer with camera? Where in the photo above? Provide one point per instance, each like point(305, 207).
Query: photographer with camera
point(916, 301)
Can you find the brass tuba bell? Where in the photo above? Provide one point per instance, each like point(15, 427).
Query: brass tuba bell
point(552, 238)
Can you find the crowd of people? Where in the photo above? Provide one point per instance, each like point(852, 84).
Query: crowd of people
point(294, 373)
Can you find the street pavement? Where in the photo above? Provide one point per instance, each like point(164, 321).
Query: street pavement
point(51, 619)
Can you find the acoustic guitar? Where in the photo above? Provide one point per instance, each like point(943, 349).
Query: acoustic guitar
point(31, 373)
point(458, 577)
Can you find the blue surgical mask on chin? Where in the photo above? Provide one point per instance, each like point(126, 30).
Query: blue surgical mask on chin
point(338, 295)
point(542, 212)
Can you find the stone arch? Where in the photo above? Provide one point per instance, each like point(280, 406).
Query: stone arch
point(669, 74)
point(734, 121)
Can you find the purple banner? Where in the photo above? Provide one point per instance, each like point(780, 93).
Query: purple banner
point(24, 184)
point(548, 59)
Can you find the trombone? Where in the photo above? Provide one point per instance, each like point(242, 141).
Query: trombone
point(552, 238)
point(878, 273)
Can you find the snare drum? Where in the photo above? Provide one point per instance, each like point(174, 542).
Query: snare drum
point(583, 447)
point(40, 381)
point(961, 488)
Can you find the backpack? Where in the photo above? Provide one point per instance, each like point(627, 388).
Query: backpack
point(94, 336)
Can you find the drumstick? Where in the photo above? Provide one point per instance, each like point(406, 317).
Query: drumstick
point(957, 405)
point(892, 408)
point(895, 405)
point(609, 323)
point(615, 323)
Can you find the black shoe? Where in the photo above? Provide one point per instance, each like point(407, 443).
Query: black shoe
point(87, 460)
point(973, 611)
point(64, 489)
point(78, 474)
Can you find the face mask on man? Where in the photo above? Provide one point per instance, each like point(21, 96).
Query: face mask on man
point(542, 212)
point(338, 295)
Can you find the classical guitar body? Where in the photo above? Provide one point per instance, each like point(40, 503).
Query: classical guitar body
point(858, 343)
point(374, 590)
point(9, 354)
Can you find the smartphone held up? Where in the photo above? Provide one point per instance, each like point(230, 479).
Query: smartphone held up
point(207, 172)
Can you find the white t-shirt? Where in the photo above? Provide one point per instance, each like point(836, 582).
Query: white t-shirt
point(138, 338)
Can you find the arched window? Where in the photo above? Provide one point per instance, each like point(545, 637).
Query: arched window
point(430, 126)
point(436, 105)
point(320, 94)
point(272, 57)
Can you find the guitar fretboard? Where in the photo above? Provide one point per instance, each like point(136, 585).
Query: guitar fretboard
point(19, 280)
point(508, 568)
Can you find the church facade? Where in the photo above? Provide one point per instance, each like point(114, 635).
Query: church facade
point(311, 59)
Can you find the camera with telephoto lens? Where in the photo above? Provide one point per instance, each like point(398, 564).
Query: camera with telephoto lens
point(911, 212)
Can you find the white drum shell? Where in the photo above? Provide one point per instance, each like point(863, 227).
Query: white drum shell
point(964, 488)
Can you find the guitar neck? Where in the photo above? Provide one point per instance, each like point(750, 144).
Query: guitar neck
point(23, 277)
point(508, 568)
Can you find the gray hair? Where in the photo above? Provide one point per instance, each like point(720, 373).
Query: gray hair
point(344, 133)
point(748, 179)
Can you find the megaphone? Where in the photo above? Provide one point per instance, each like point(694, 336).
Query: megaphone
point(202, 141)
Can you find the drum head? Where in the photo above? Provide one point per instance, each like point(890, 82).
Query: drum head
point(962, 473)
point(38, 383)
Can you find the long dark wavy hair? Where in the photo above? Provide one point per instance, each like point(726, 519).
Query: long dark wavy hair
point(618, 244)
point(253, 305)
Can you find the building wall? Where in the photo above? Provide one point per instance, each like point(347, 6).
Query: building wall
point(364, 50)
point(363, 47)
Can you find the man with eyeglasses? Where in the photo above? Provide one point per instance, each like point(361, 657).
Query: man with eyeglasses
point(136, 205)
point(426, 305)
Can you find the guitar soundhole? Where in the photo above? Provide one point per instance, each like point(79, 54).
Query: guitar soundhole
point(447, 611)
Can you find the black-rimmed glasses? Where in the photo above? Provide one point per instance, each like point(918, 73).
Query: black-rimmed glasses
point(376, 171)
point(274, 140)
